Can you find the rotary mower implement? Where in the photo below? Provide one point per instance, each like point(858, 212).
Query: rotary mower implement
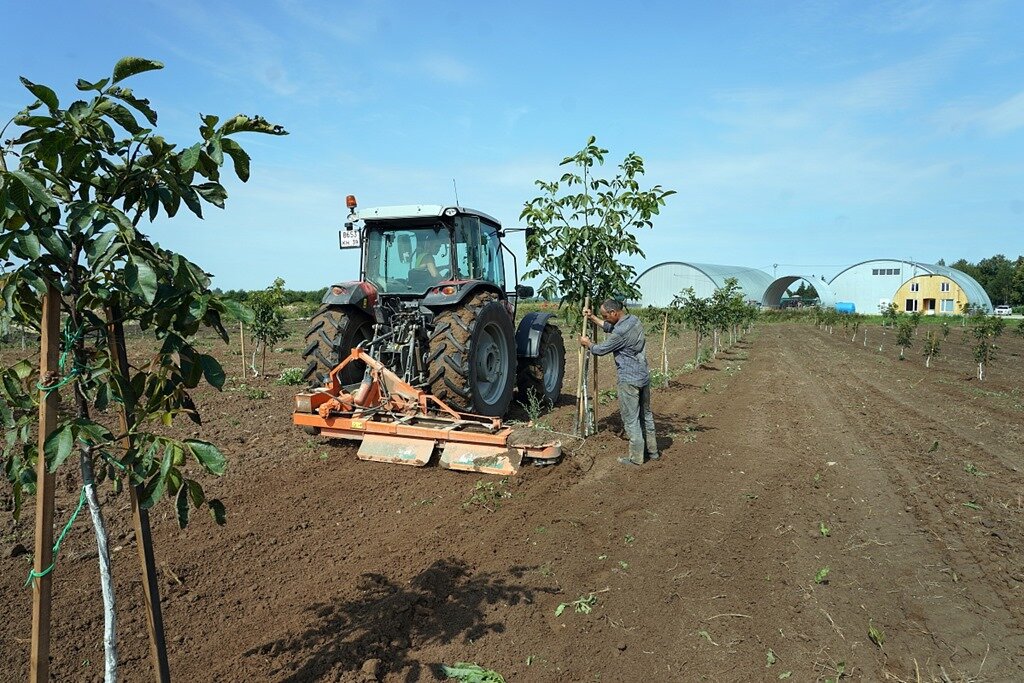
point(399, 423)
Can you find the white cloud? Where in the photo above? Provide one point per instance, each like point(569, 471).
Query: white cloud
point(446, 69)
point(1005, 116)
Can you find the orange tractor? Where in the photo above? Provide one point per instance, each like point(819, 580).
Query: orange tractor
point(421, 353)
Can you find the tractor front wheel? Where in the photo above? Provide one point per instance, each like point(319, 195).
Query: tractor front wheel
point(472, 356)
point(542, 376)
point(333, 332)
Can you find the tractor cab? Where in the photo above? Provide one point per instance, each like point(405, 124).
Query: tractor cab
point(408, 250)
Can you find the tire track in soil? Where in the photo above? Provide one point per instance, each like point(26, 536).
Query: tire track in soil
point(934, 487)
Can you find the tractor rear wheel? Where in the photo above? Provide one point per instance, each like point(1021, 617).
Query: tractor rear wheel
point(472, 359)
point(333, 332)
point(542, 376)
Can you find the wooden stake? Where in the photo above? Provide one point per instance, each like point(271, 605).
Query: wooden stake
point(241, 340)
point(597, 387)
point(140, 517)
point(49, 354)
point(580, 415)
point(664, 346)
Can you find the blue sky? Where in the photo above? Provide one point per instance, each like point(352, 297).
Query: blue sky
point(810, 134)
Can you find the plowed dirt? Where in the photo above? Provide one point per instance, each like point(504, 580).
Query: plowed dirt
point(700, 566)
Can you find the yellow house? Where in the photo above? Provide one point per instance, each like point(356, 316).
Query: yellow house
point(931, 295)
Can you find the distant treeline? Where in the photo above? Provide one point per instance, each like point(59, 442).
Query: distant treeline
point(1002, 278)
point(291, 296)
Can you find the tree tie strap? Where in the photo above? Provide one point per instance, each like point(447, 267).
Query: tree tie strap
point(33, 574)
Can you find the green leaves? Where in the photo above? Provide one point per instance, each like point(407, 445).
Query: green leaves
point(83, 179)
point(238, 157)
point(130, 66)
point(577, 236)
point(208, 455)
point(467, 672)
point(34, 188)
point(45, 94)
point(58, 446)
point(212, 371)
point(877, 636)
point(141, 279)
point(190, 156)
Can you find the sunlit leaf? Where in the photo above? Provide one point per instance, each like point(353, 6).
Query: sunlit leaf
point(130, 66)
point(208, 455)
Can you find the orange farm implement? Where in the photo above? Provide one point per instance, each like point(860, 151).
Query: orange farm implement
point(399, 423)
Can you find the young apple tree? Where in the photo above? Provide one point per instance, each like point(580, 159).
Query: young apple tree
point(932, 347)
point(985, 331)
point(582, 225)
point(267, 325)
point(904, 336)
point(76, 180)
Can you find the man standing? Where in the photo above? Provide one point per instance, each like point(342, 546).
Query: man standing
point(626, 341)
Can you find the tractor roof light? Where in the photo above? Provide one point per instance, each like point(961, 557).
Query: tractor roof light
point(450, 211)
point(350, 201)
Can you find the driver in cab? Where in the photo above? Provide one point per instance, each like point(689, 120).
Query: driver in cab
point(426, 251)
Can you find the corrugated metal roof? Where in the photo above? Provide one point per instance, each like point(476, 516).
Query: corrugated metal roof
point(660, 283)
point(852, 290)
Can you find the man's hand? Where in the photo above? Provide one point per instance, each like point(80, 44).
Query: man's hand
point(585, 341)
point(587, 313)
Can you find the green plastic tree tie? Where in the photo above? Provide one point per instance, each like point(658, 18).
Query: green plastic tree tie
point(33, 574)
point(68, 344)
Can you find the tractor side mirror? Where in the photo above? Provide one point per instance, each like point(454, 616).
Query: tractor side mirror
point(524, 291)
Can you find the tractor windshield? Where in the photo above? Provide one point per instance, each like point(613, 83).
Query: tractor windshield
point(408, 261)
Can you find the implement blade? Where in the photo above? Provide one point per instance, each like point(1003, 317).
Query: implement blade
point(396, 449)
point(479, 458)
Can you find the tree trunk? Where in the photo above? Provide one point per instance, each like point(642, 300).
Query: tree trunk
point(664, 346)
point(106, 581)
point(241, 342)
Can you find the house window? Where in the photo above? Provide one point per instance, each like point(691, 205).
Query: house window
point(946, 306)
point(944, 287)
point(911, 305)
point(896, 271)
point(915, 286)
point(874, 271)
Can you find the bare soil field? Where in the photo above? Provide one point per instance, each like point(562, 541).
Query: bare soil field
point(794, 452)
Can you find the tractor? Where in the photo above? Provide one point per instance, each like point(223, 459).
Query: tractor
point(432, 307)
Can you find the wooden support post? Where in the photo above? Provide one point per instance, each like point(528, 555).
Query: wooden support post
point(140, 517)
point(580, 410)
point(241, 340)
point(49, 354)
point(664, 347)
point(596, 388)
